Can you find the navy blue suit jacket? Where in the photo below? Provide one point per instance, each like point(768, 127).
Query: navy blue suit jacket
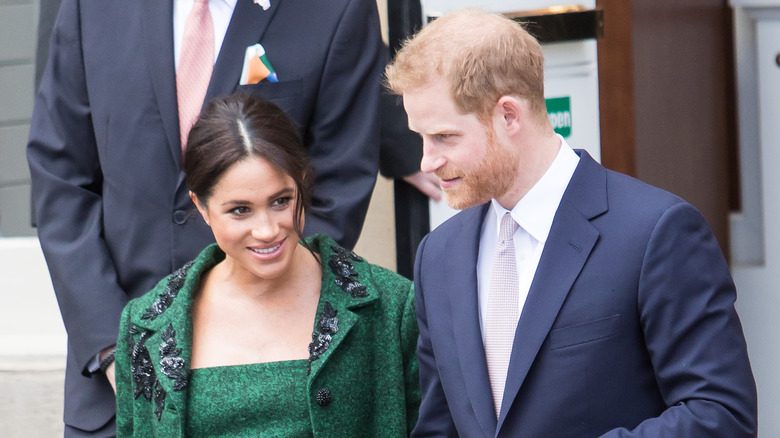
point(113, 213)
point(629, 328)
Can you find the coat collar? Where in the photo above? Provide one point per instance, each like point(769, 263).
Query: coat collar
point(346, 288)
point(164, 338)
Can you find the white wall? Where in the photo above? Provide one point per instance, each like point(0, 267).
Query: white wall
point(30, 321)
point(17, 49)
point(755, 231)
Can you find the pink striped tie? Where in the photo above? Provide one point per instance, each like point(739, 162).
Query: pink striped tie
point(502, 310)
point(195, 65)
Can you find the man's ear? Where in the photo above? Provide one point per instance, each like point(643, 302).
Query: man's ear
point(513, 113)
point(201, 208)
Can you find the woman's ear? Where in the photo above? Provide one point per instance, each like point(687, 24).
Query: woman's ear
point(204, 213)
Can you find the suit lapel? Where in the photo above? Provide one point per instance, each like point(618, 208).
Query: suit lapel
point(461, 286)
point(174, 329)
point(570, 242)
point(158, 34)
point(247, 27)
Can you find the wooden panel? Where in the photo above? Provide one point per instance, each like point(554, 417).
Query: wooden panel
point(682, 122)
point(616, 87)
point(666, 100)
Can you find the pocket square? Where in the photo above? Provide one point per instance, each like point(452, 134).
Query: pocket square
point(257, 67)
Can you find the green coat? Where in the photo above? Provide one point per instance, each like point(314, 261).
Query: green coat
point(363, 379)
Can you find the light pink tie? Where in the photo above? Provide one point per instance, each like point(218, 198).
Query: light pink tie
point(195, 65)
point(502, 310)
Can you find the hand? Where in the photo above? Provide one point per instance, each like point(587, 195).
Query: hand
point(111, 376)
point(426, 183)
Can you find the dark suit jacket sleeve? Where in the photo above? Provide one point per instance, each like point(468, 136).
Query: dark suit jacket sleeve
point(693, 334)
point(435, 419)
point(343, 136)
point(66, 192)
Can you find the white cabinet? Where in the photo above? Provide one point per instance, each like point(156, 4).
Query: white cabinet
point(755, 233)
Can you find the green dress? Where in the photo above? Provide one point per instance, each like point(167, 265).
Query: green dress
point(273, 401)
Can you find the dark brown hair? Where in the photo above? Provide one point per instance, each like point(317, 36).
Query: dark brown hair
point(236, 127)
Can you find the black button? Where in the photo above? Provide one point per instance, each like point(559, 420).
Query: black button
point(324, 397)
point(180, 217)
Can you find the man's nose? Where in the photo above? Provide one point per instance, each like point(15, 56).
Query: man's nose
point(431, 160)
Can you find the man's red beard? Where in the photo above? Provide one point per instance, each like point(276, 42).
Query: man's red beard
point(490, 179)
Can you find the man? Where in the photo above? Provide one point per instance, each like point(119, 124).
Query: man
point(110, 124)
point(566, 300)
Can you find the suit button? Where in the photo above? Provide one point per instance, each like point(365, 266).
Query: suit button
point(324, 397)
point(180, 217)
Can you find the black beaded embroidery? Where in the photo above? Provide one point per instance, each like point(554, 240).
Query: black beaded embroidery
point(175, 283)
point(341, 264)
point(327, 326)
point(159, 399)
point(143, 371)
point(171, 363)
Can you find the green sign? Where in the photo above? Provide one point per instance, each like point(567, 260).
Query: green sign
point(559, 112)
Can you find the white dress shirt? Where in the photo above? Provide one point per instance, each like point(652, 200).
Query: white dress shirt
point(534, 212)
point(221, 12)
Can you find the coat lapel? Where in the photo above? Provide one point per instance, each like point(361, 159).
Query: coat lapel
point(167, 326)
point(173, 362)
point(168, 395)
point(246, 28)
point(461, 285)
point(571, 240)
point(158, 34)
point(341, 297)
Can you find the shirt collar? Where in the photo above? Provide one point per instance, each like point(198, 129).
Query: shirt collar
point(536, 210)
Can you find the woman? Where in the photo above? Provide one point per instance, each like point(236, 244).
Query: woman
point(265, 333)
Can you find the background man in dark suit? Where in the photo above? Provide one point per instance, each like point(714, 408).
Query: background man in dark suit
point(113, 213)
point(566, 300)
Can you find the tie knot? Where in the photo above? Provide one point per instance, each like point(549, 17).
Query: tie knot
point(508, 228)
point(202, 2)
